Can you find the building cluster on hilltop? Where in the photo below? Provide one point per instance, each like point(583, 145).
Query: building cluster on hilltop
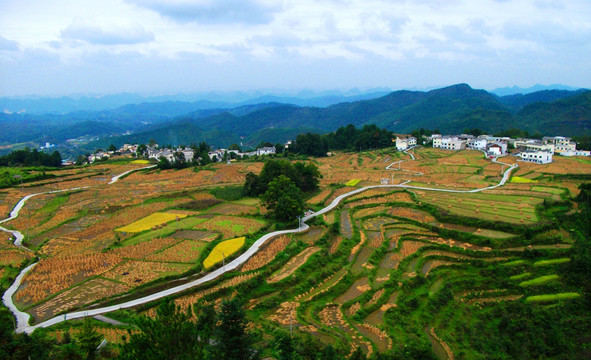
point(531, 150)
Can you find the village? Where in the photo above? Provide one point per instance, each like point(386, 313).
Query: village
point(530, 150)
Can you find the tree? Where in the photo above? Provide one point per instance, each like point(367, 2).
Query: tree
point(283, 345)
point(111, 148)
point(164, 164)
point(141, 150)
point(232, 342)
point(88, 339)
point(170, 335)
point(81, 160)
point(283, 199)
point(235, 147)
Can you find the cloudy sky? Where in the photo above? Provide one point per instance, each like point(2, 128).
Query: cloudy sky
point(62, 47)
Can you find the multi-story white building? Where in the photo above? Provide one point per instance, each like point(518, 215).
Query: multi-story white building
point(536, 156)
point(534, 145)
point(405, 143)
point(436, 138)
point(560, 143)
point(478, 143)
point(452, 143)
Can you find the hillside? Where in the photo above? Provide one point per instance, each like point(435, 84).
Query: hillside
point(451, 109)
point(412, 271)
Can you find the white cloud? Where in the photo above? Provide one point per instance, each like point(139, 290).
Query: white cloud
point(212, 11)
point(112, 35)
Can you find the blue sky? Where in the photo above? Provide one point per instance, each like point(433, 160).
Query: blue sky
point(62, 47)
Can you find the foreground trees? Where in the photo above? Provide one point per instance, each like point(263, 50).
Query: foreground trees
point(173, 334)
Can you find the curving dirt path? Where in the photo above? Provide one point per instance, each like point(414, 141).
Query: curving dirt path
point(23, 318)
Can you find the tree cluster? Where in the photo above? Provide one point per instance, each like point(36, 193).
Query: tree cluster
point(345, 138)
point(281, 185)
point(28, 157)
point(176, 334)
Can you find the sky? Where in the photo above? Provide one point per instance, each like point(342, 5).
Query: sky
point(156, 47)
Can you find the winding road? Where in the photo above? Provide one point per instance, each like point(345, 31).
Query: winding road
point(22, 318)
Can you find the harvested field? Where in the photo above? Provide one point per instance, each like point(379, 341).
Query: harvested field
point(135, 273)
point(433, 264)
point(232, 209)
point(377, 336)
point(52, 275)
point(369, 211)
point(312, 235)
point(375, 239)
point(78, 296)
point(286, 314)
point(346, 226)
point(413, 214)
point(361, 260)
point(232, 226)
point(337, 192)
point(206, 236)
point(393, 259)
point(334, 244)
point(141, 250)
point(489, 206)
point(323, 287)
point(332, 317)
point(294, 264)
point(320, 198)
point(357, 289)
point(495, 234)
point(188, 300)
point(266, 254)
point(187, 251)
point(14, 257)
point(376, 223)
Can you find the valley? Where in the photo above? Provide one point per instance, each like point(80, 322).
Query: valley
point(392, 259)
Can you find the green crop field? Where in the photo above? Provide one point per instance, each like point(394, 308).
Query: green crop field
point(551, 262)
point(539, 280)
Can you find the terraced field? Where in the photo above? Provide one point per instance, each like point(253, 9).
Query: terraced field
point(387, 271)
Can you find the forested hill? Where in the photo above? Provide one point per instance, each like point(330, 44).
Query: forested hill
point(450, 109)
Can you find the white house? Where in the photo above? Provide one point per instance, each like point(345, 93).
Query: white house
point(98, 156)
point(452, 143)
point(536, 156)
point(405, 143)
point(576, 153)
point(267, 150)
point(188, 153)
point(534, 145)
point(497, 148)
point(436, 139)
point(560, 143)
point(477, 143)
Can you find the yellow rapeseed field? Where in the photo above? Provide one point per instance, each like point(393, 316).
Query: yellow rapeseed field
point(226, 248)
point(353, 182)
point(150, 221)
point(140, 162)
point(522, 180)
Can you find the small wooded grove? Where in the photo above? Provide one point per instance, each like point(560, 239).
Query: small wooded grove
point(281, 185)
point(28, 157)
point(345, 138)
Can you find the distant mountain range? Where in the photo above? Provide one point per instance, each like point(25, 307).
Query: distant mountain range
point(199, 101)
point(450, 109)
